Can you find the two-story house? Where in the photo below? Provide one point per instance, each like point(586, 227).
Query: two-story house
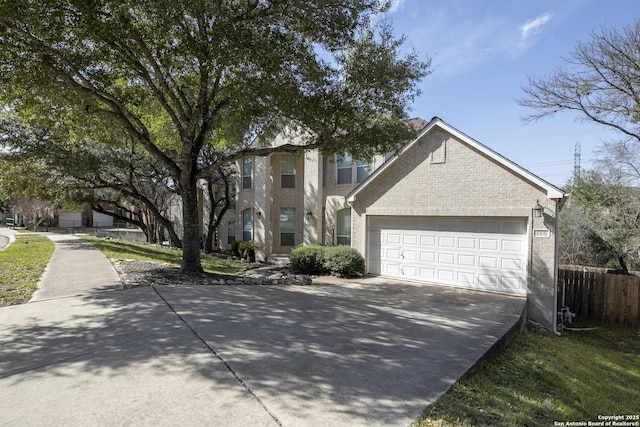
point(284, 200)
point(445, 209)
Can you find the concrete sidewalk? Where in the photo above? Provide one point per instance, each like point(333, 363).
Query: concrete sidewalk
point(358, 353)
point(76, 267)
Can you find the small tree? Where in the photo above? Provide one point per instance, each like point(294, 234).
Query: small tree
point(36, 212)
point(611, 214)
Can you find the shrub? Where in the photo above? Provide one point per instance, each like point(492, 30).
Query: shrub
point(248, 250)
point(235, 247)
point(343, 261)
point(307, 259)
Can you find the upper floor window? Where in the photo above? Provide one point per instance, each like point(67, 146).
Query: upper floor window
point(351, 171)
point(247, 173)
point(288, 171)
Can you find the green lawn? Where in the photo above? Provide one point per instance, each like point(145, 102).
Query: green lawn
point(21, 265)
point(120, 249)
point(541, 379)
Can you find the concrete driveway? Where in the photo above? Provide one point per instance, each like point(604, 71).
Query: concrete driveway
point(368, 353)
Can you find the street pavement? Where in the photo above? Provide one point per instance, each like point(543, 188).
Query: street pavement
point(370, 352)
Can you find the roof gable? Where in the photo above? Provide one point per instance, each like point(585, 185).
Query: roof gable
point(551, 191)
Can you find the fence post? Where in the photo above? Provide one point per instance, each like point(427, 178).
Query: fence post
point(635, 300)
point(600, 296)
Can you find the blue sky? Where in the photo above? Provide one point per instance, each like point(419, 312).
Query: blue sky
point(482, 52)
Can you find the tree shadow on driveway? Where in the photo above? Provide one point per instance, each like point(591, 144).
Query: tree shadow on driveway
point(298, 355)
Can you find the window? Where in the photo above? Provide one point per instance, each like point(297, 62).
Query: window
point(287, 226)
point(362, 171)
point(343, 229)
point(287, 171)
point(247, 173)
point(344, 169)
point(350, 171)
point(231, 232)
point(247, 224)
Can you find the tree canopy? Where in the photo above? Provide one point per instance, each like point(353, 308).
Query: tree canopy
point(179, 76)
point(611, 215)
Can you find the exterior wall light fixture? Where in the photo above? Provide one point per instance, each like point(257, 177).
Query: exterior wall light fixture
point(538, 209)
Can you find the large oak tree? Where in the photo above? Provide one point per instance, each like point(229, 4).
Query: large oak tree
point(177, 76)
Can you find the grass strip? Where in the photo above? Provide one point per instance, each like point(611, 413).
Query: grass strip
point(21, 265)
point(123, 250)
point(542, 379)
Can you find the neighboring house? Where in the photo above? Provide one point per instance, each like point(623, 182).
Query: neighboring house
point(87, 218)
point(445, 210)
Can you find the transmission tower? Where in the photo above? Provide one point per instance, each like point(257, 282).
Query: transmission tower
point(576, 161)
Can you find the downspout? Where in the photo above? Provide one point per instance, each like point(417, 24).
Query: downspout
point(555, 271)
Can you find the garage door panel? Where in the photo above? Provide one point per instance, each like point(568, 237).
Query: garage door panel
point(426, 273)
point(472, 253)
point(466, 243)
point(488, 281)
point(410, 239)
point(511, 245)
point(427, 256)
point(410, 270)
point(487, 262)
point(511, 264)
point(467, 260)
point(488, 244)
point(447, 276)
point(446, 259)
point(467, 279)
point(446, 241)
point(410, 255)
point(428, 240)
point(391, 268)
point(393, 254)
point(392, 238)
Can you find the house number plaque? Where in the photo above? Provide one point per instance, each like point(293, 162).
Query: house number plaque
point(541, 234)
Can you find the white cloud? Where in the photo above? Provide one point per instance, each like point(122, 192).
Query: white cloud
point(461, 35)
point(533, 26)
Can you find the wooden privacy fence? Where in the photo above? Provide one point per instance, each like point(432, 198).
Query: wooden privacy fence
point(596, 296)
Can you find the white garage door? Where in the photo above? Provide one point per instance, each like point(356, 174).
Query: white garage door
point(486, 254)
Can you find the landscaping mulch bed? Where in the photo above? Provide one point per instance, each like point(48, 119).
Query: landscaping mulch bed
point(134, 273)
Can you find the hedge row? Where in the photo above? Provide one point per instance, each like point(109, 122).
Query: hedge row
point(340, 261)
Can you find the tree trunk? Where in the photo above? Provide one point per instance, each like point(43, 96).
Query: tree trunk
point(215, 218)
point(151, 230)
point(208, 242)
point(191, 229)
